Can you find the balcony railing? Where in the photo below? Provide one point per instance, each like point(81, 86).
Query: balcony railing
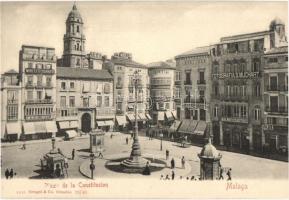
point(234, 98)
point(38, 117)
point(37, 101)
point(201, 82)
point(193, 100)
point(277, 88)
point(15, 101)
point(235, 119)
point(274, 109)
point(187, 82)
point(66, 112)
point(38, 85)
point(105, 111)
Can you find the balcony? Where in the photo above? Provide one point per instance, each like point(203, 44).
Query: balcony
point(119, 86)
point(39, 85)
point(235, 119)
point(280, 110)
point(201, 82)
point(66, 112)
point(187, 82)
point(39, 71)
point(38, 117)
point(15, 101)
point(277, 88)
point(194, 105)
point(234, 98)
point(177, 82)
point(39, 101)
point(193, 100)
point(105, 111)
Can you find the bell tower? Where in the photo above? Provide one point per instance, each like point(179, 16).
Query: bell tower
point(74, 41)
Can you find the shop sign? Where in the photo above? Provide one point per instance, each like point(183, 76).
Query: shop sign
point(241, 75)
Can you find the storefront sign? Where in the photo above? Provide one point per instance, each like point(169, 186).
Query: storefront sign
point(245, 75)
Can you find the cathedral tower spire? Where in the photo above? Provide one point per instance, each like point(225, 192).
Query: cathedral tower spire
point(74, 40)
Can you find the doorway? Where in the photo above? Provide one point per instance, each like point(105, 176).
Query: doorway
point(86, 123)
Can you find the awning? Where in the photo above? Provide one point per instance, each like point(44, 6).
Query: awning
point(130, 117)
point(192, 126)
point(201, 127)
point(109, 123)
point(28, 128)
point(71, 133)
point(174, 113)
point(149, 117)
point(40, 127)
point(184, 126)
point(174, 127)
point(169, 115)
point(121, 120)
point(64, 125)
point(13, 128)
point(100, 123)
point(51, 126)
point(142, 117)
point(73, 124)
point(161, 116)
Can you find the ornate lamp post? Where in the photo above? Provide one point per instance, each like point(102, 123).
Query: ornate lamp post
point(92, 166)
point(161, 136)
point(135, 160)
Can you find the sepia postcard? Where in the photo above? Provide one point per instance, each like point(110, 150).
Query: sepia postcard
point(144, 99)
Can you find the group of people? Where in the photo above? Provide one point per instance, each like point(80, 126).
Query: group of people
point(9, 174)
point(172, 177)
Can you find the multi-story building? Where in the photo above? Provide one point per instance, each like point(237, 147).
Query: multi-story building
point(192, 92)
point(123, 68)
point(276, 98)
point(11, 106)
point(237, 100)
point(84, 90)
point(162, 78)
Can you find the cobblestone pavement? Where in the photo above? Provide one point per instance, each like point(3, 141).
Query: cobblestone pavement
point(26, 162)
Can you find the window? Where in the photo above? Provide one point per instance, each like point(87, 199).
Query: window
point(106, 101)
point(216, 90)
point(39, 95)
point(63, 85)
point(72, 85)
point(178, 76)
point(12, 96)
point(29, 80)
point(216, 112)
point(48, 81)
point(106, 88)
point(286, 58)
point(63, 101)
point(30, 65)
point(256, 66)
point(257, 113)
point(243, 111)
point(29, 95)
point(85, 102)
point(167, 106)
point(178, 93)
point(71, 101)
point(188, 77)
point(39, 80)
point(273, 60)
point(12, 112)
point(77, 29)
point(257, 91)
point(202, 77)
point(99, 101)
point(78, 61)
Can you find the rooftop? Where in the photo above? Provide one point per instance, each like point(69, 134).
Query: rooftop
point(277, 50)
point(195, 51)
point(127, 62)
point(160, 65)
point(244, 36)
point(83, 73)
point(11, 71)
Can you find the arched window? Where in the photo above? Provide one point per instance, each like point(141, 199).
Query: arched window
point(257, 112)
point(77, 28)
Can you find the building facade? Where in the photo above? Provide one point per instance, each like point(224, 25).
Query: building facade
point(276, 98)
point(162, 77)
point(192, 92)
point(122, 67)
point(237, 87)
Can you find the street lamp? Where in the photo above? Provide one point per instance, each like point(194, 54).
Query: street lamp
point(161, 136)
point(92, 166)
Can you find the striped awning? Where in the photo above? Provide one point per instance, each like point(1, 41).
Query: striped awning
point(169, 115)
point(130, 117)
point(192, 126)
point(71, 133)
point(121, 120)
point(201, 127)
point(73, 124)
point(109, 123)
point(13, 128)
point(29, 128)
point(51, 126)
point(174, 113)
point(142, 117)
point(149, 117)
point(184, 126)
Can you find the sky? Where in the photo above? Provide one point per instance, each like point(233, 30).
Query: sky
point(151, 31)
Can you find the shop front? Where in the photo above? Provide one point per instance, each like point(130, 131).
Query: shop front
point(12, 132)
point(236, 136)
point(277, 140)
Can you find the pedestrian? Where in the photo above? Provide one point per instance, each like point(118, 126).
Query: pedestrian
point(111, 136)
point(221, 173)
point(65, 162)
point(173, 175)
point(131, 134)
point(188, 178)
point(183, 162)
point(72, 154)
point(167, 177)
point(162, 177)
point(167, 154)
point(126, 139)
point(23, 146)
point(59, 151)
point(7, 173)
point(229, 175)
point(172, 163)
point(100, 154)
point(147, 170)
point(181, 177)
point(11, 173)
point(192, 178)
point(57, 171)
